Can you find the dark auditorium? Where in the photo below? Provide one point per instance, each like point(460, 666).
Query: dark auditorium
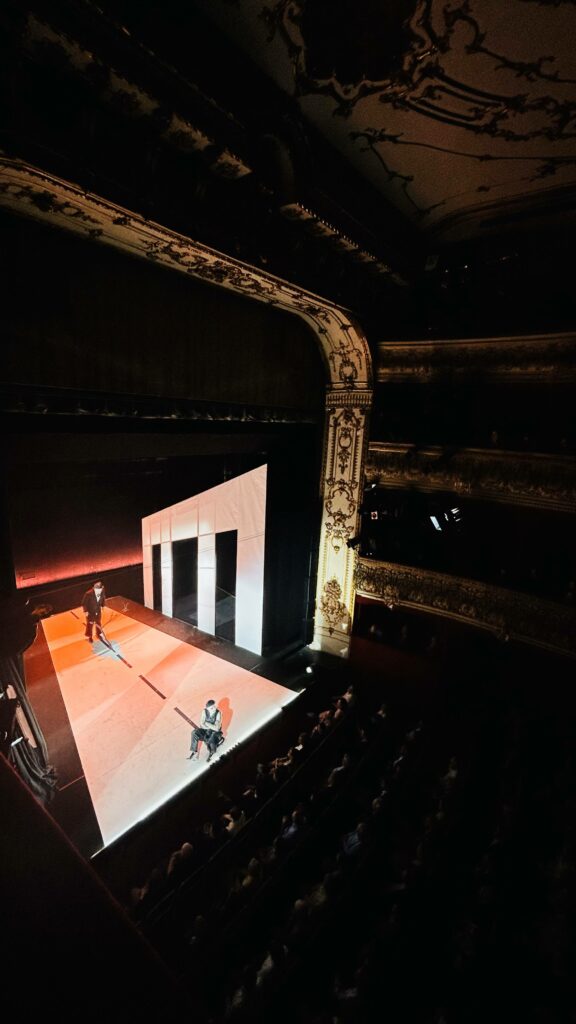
point(288, 511)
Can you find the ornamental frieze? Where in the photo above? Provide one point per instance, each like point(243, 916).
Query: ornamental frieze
point(537, 357)
point(540, 481)
point(509, 614)
point(128, 96)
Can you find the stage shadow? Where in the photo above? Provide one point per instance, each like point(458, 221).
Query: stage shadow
point(227, 713)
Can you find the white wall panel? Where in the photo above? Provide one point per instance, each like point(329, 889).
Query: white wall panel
point(185, 522)
point(238, 504)
point(166, 570)
point(206, 514)
point(227, 509)
point(148, 583)
point(249, 593)
point(251, 497)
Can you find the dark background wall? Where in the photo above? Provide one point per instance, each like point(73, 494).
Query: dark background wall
point(82, 316)
point(72, 517)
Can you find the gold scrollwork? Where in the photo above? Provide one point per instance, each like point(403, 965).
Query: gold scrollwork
point(332, 607)
point(505, 612)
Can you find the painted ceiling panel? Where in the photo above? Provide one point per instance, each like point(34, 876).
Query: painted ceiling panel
point(455, 109)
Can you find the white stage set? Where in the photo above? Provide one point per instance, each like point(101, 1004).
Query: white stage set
point(238, 504)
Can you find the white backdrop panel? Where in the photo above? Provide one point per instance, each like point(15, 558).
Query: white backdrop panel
point(166, 569)
point(206, 514)
point(185, 523)
point(249, 593)
point(238, 504)
point(251, 502)
point(227, 509)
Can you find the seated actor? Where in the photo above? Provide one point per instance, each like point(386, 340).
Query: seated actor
point(93, 602)
point(210, 731)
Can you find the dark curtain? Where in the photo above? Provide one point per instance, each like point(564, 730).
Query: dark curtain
point(21, 738)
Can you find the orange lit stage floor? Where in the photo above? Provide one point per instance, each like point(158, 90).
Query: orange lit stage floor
point(131, 706)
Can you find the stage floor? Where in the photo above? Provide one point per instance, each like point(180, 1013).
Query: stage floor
point(131, 707)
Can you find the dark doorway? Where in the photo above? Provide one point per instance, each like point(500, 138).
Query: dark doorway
point(185, 580)
point(156, 578)
point(226, 554)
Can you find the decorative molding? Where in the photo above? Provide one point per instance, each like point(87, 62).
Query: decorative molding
point(326, 232)
point(534, 208)
point(332, 607)
point(509, 614)
point(345, 448)
point(129, 97)
point(352, 399)
point(35, 193)
point(30, 192)
point(547, 358)
point(540, 481)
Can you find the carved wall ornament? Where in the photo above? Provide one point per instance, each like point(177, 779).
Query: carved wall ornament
point(46, 43)
point(315, 225)
point(332, 607)
point(540, 481)
point(504, 612)
point(538, 357)
point(30, 192)
point(341, 505)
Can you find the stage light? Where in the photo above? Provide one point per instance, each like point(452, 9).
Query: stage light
point(309, 670)
point(435, 523)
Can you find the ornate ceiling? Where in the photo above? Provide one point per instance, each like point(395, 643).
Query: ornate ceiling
point(461, 112)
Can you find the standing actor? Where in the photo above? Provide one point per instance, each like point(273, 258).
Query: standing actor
point(210, 731)
point(93, 602)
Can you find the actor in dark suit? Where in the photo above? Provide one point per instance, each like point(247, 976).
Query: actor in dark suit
point(93, 602)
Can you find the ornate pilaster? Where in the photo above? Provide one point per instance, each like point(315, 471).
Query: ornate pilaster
point(509, 614)
point(31, 192)
point(345, 444)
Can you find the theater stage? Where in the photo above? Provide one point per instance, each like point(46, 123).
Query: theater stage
point(117, 719)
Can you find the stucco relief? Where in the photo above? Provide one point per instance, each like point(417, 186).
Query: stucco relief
point(507, 613)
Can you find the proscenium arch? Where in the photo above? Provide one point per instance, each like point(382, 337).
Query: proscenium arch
point(31, 192)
